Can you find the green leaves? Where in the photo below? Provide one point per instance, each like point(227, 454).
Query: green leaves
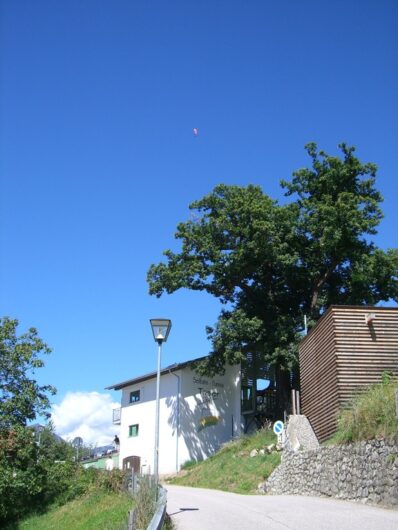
point(271, 264)
point(21, 397)
point(339, 208)
point(21, 479)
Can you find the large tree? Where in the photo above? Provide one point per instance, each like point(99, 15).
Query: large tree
point(270, 263)
point(21, 396)
point(26, 466)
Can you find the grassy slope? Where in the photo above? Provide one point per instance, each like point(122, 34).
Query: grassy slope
point(371, 415)
point(232, 468)
point(95, 511)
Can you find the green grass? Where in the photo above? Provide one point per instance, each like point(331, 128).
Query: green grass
point(232, 468)
point(94, 511)
point(371, 415)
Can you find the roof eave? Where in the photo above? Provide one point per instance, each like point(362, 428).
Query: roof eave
point(172, 368)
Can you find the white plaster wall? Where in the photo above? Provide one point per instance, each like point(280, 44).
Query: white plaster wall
point(217, 396)
point(143, 413)
point(199, 397)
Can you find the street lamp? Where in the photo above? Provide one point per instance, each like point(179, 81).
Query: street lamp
point(160, 329)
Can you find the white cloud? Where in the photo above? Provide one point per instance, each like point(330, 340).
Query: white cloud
point(85, 414)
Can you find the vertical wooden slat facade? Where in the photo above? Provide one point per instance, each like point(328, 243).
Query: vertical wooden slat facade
point(341, 355)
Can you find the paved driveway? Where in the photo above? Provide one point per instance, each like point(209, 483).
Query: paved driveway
point(201, 509)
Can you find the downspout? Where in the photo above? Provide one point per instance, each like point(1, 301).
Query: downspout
point(178, 415)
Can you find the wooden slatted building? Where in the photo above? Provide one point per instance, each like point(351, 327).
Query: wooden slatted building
point(348, 349)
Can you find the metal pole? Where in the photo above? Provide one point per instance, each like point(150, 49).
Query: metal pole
point(298, 401)
point(293, 402)
point(156, 462)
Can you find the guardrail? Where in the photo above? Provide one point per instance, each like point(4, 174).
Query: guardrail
point(158, 518)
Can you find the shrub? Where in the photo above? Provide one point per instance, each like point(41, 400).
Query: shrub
point(22, 477)
point(61, 483)
point(111, 481)
point(30, 479)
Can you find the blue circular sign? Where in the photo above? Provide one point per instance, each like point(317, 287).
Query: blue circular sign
point(278, 427)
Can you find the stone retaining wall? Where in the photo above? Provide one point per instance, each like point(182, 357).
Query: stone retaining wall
point(364, 471)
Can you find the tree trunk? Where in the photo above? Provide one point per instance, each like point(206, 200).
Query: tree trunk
point(283, 387)
point(318, 286)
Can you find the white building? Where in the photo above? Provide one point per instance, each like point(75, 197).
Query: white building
point(197, 415)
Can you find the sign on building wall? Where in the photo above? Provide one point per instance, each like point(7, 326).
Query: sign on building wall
point(209, 392)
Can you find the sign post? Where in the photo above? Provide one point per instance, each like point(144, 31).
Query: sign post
point(279, 430)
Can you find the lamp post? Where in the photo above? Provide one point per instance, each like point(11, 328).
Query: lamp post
point(160, 329)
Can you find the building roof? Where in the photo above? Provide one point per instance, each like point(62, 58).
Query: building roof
point(151, 375)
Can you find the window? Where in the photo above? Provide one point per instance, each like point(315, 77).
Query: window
point(133, 430)
point(134, 396)
point(246, 398)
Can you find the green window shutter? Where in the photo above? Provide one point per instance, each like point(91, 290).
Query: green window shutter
point(133, 430)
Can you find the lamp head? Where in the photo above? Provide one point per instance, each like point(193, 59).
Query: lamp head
point(160, 329)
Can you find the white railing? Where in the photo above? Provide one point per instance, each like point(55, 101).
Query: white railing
point(116, 415)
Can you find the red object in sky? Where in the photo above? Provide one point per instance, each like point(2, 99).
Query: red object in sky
point(195, 131)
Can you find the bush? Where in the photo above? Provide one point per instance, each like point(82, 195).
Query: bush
point(22, 477)
point(61, 484)
point(110, 481)
point(372, 414)
point(80, 481)
point(30, 479)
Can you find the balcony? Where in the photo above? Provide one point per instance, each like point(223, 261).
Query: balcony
point(116, 416)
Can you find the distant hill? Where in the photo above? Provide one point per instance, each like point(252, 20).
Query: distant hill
point(38, 428)
point(102, 450)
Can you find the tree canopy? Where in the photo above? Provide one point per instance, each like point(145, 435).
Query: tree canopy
point(29, 478)
point(270, 263)
point(21, 397)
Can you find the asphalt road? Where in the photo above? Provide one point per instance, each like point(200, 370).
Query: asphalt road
point(201, 509)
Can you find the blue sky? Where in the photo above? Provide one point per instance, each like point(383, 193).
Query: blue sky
point(99, 163)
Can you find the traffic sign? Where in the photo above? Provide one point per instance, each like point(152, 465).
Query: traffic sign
point(278, 427)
